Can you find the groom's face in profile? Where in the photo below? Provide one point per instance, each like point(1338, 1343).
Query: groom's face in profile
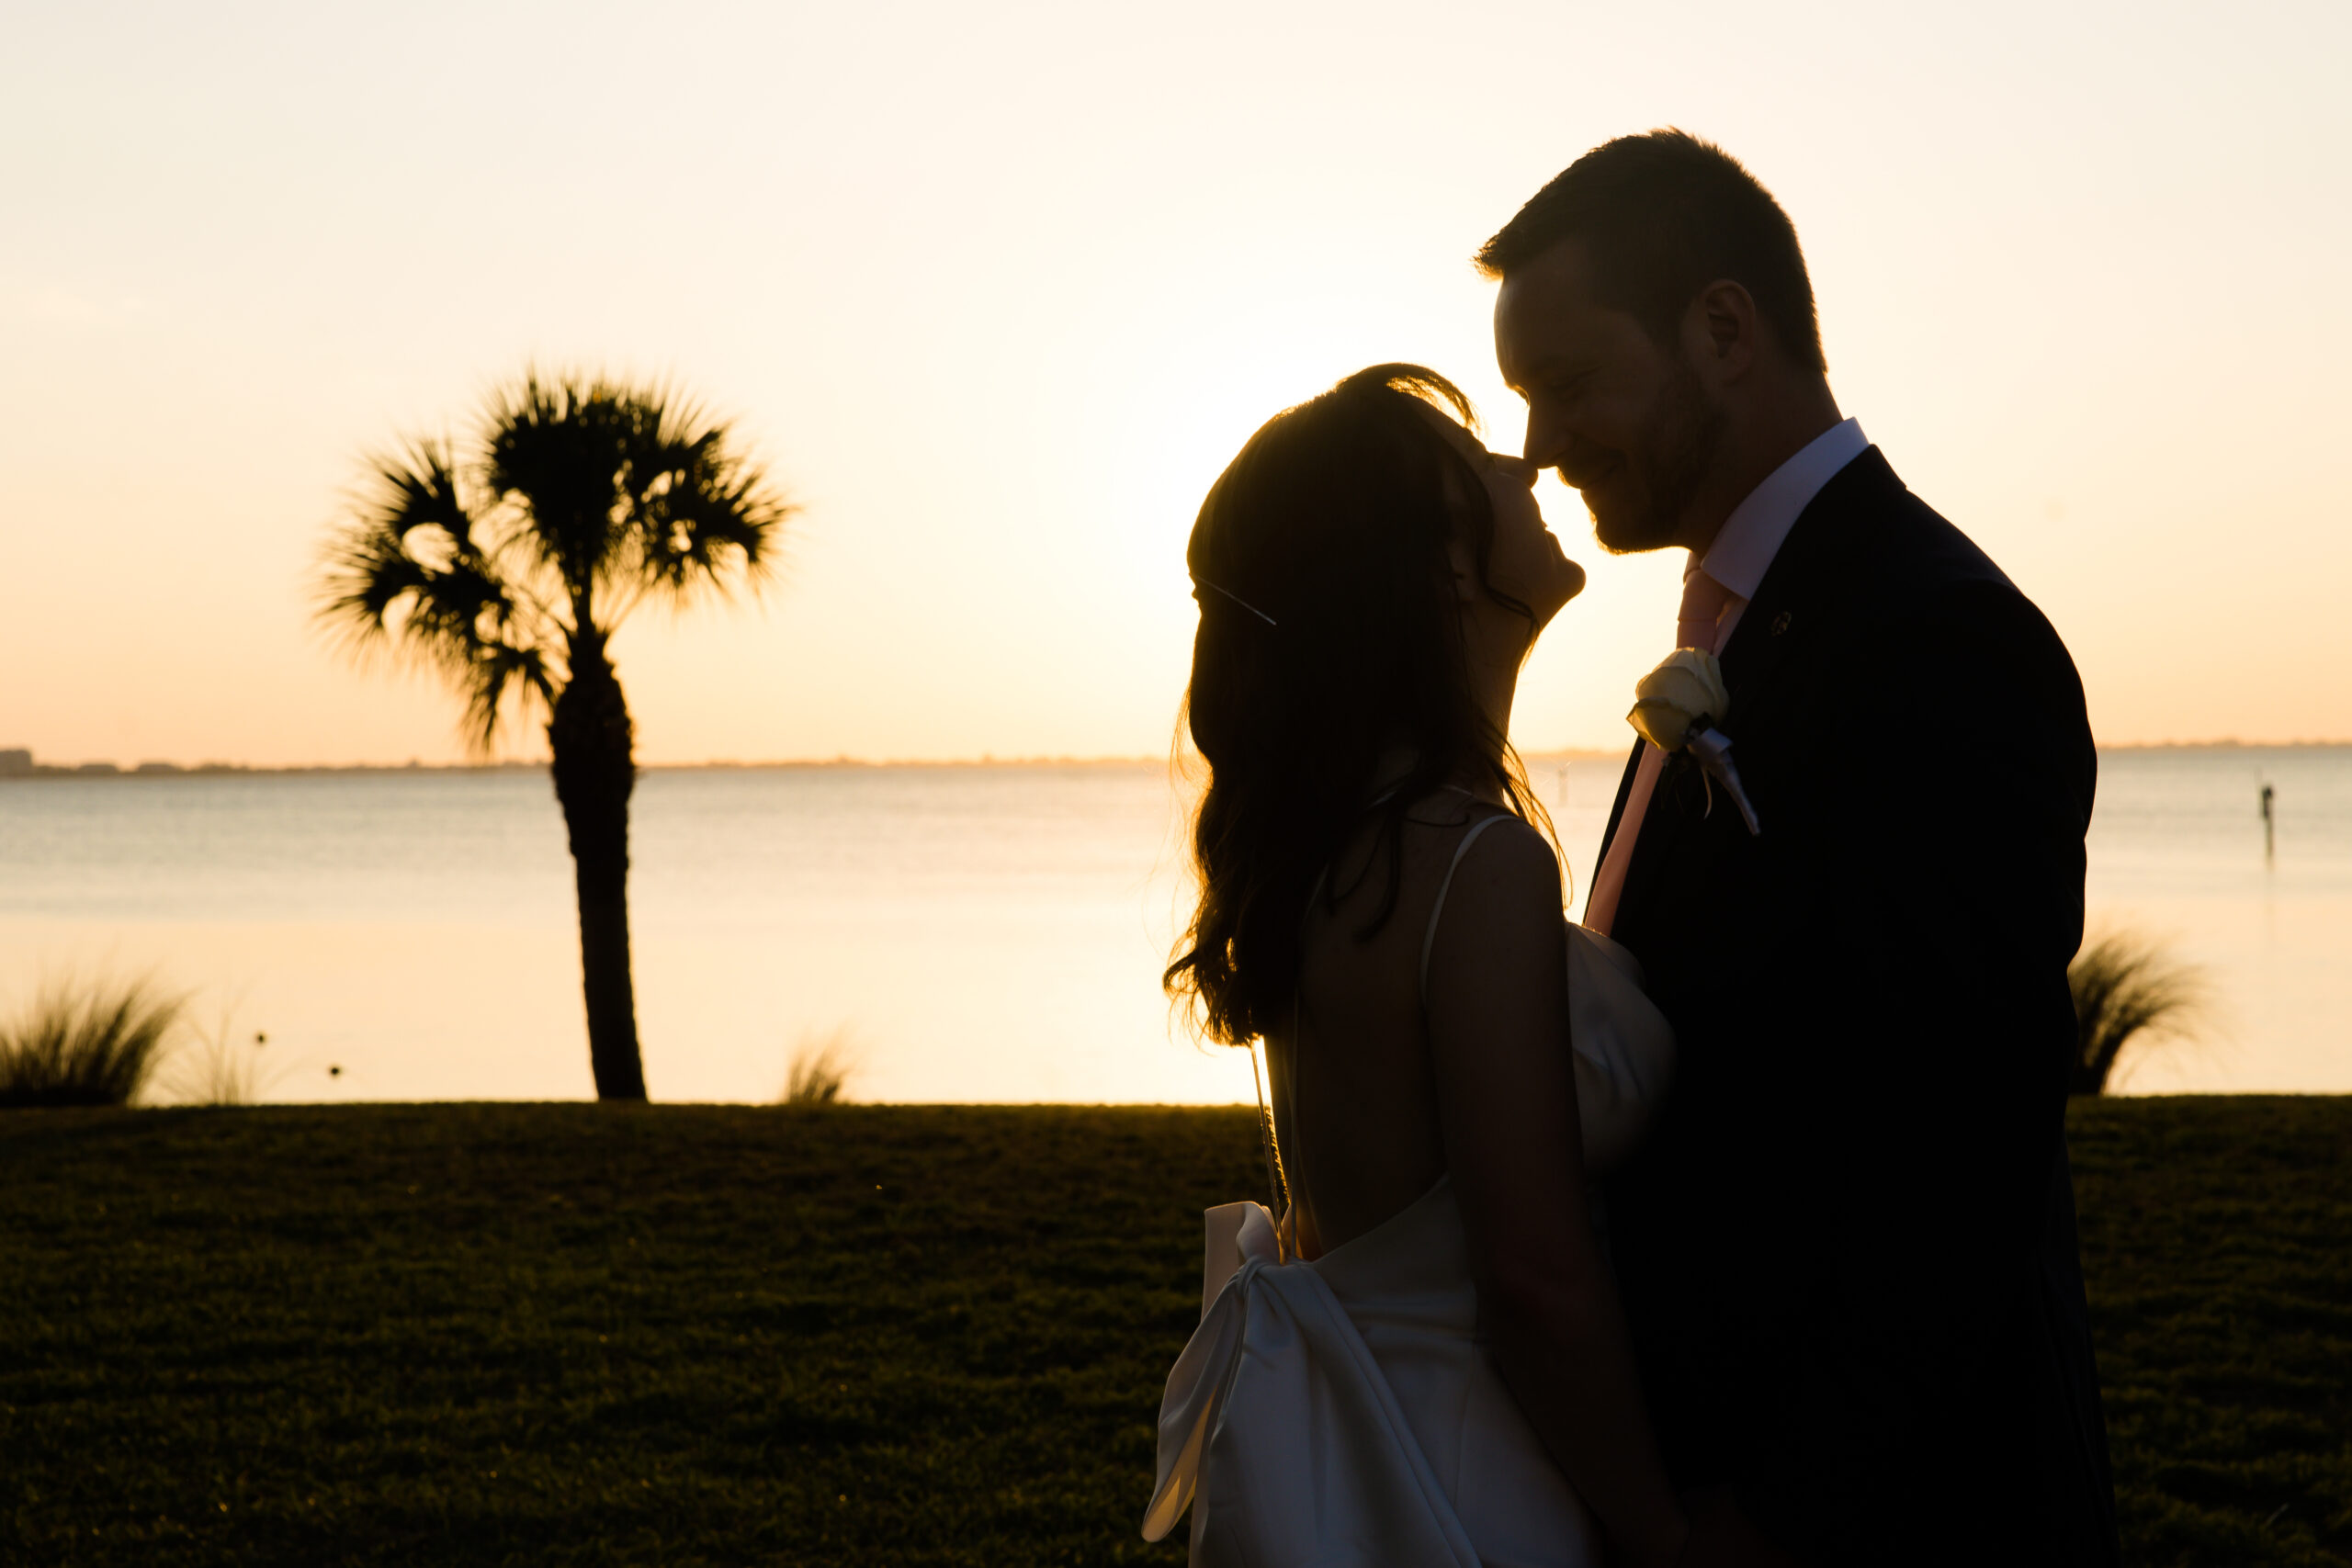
point(1624, 417)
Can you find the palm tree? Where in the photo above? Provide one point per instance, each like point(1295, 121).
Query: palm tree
point(2127, 987)
point(509, 569)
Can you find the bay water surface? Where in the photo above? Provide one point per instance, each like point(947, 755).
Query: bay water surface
point(968, 932)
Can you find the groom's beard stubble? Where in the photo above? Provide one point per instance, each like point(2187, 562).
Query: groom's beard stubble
point(1678, 447)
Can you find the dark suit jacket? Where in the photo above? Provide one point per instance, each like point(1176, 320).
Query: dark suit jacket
point(1847, 1252)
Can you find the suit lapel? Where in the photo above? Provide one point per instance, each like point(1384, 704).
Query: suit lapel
point(1800, 590)
point(1806, 578)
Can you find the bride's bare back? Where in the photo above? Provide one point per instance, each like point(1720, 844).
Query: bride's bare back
point(1386, 1083)
point(1358, 1103)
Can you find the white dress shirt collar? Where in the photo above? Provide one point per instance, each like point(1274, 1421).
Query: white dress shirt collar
point(1754, 532)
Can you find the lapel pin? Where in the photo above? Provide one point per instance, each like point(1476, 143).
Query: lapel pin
point(1781, 622)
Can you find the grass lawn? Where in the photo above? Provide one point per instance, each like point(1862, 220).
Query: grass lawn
point(675, 1335)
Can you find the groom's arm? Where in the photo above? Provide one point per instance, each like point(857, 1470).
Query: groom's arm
point(1955, 892)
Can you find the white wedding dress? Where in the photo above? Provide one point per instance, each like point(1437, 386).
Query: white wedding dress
point(1344, 1413)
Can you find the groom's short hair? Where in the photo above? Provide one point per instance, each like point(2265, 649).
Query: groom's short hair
point(1662, 215)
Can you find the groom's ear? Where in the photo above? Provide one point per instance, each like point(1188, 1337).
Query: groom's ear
point(1720, 332)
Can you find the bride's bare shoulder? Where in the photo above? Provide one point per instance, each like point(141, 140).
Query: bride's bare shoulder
point(1510, 856)
point(1507, 845)
point(1507, 874)
point(1442, 866)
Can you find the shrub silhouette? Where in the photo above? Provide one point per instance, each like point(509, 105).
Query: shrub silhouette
point(2126, 988)
point(820, 1071)
point(221, 1065)
point(87, 1045)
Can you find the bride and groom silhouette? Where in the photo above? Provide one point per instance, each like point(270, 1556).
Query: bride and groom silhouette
point(1735, 1227)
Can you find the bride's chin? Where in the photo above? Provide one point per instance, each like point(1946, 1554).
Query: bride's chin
point(1545, 616)
point(1571, 580)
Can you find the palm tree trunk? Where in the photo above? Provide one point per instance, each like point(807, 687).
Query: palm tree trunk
point(595, 768)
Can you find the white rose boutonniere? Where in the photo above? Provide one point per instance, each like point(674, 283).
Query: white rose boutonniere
point(1677, 707)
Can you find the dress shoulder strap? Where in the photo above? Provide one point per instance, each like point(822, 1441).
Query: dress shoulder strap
point(1429, 937)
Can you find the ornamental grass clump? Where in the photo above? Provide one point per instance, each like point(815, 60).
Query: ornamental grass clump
point(217, 1067)
point(94, 1043)
point(820, 1071)
point(2127, 987)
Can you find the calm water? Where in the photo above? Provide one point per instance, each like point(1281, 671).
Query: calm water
point(976, 933)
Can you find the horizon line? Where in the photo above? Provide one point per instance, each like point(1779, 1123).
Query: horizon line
point(21, 763)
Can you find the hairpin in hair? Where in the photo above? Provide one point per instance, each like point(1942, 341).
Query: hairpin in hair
point(1199, 583)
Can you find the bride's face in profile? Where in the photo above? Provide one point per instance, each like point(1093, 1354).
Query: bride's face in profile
point(1524, 562)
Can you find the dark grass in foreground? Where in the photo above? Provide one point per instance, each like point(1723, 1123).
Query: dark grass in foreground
point(681, 1334)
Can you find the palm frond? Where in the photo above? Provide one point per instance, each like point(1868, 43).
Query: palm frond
point(702, 514)
point(557, 454)
point(589, 495)
point(498, 668)
point(408, 572)
point(422, 491)
point(368, 572)
point(712, 535)
point(616, 491)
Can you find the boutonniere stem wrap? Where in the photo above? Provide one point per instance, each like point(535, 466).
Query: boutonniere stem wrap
point(1677, 707)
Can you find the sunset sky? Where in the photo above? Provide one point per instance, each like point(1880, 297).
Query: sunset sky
point(997, 290)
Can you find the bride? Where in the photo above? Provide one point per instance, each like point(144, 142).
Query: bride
point(1425, 1361)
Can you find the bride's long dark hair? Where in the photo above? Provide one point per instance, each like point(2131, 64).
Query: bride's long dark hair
point(1330, 637)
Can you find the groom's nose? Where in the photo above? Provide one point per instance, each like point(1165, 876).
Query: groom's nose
point(1546, 445)
point(1546, 436)
point(1571, 456)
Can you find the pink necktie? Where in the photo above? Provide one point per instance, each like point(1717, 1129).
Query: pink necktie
point(1699, 623)
point(1708, 608)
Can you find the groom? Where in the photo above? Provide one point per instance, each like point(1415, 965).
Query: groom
point(1847, 1253)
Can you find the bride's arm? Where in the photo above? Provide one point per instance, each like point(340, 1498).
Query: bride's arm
point(1498, 1018)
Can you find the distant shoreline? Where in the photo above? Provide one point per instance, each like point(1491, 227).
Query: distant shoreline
point(244, 770)
point(16, 766)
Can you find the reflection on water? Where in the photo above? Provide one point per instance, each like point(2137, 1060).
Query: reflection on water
point(983, 934)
